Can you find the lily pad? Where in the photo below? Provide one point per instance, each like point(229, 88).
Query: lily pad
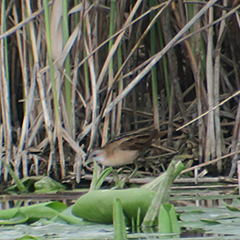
point(31, 213)
point(97, 206)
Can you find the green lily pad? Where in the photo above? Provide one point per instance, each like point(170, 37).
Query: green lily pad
point(97, 206)
point(31, 213)
point(9, 219)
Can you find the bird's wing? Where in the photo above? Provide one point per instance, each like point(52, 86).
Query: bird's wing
point(138, 141)
point(133, 141)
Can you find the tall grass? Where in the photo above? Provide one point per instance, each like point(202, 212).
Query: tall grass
point(74, 74)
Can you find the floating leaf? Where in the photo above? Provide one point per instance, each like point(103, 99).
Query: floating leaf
point(31, 213)
point(97, 206)
point(6, 218)
point(67, 217)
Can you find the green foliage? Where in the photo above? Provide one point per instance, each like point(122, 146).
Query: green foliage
point(47, 184)
point(32, 213)
point(97, 206)
point(38, 185)
point(167, 220)
point(118, 221)
point(215, 220)
point(28, 237)
point(19, 185)
point(137, 203)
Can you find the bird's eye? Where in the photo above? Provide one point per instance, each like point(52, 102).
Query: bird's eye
point(94, 155)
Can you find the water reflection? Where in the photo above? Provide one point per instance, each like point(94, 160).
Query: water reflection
point(66, 197)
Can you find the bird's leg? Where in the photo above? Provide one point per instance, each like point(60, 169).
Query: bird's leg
point(135, 169)
point(122, 168)
point(127, 167)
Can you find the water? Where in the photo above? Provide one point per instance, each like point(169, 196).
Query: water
point(210, 201)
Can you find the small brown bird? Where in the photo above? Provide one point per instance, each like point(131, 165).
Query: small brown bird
point(124, 149)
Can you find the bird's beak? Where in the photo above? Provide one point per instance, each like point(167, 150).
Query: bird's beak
point(89, 160)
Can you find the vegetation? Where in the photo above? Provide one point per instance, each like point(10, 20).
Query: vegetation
point(134, 207)
point(74, 74)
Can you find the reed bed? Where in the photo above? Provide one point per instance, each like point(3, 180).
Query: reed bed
point(75, 74)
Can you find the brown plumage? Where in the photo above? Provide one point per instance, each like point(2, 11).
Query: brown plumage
point(124, 149)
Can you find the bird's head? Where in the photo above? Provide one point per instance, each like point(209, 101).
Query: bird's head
point(98, 155)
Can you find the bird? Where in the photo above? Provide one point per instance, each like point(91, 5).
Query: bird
point(124, 149)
